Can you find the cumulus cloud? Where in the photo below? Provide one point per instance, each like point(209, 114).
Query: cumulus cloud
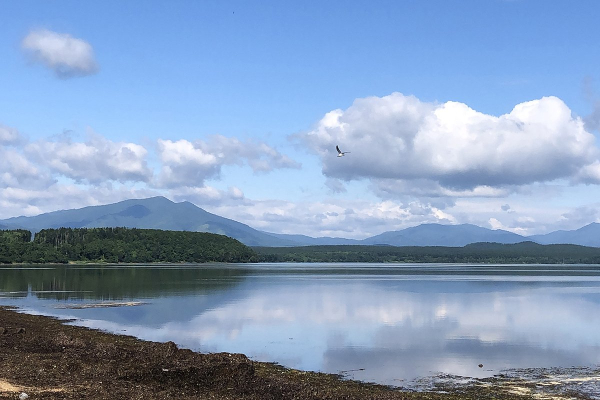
point(9, 136)
point(16, 171)
point(65, 55)
point(188, 163)
point(451, 149)
point(582, 215)
point(93, 161)
point(337, 218)
point(207, 195)
point(60, 171)
point(425, 188)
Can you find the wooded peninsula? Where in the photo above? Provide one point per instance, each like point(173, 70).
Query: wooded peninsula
point(120, 245)
point(133, 245)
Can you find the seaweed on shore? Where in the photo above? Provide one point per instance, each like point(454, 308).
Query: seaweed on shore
point(46, 359)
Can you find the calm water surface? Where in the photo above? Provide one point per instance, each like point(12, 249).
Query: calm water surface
point(386, 323)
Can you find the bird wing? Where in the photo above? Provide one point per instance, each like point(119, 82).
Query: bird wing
point(338, 149)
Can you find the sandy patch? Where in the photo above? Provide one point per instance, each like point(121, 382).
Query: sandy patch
point(8, 387)
point(101, 305)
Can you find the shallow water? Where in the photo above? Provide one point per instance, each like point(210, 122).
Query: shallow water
point(386, 323)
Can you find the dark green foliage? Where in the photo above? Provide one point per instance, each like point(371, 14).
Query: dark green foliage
point(520, 253)
point(118, 245)
point(124, 245)
point(12, 244)
point(14, 236)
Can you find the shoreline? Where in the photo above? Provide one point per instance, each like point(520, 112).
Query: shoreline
point(44, 358)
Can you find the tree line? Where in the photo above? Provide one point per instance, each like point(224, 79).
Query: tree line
point(120, 245)
point(132, 245)
point(520, 253)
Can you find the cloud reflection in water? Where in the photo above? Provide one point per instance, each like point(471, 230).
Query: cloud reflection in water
point(394, 330)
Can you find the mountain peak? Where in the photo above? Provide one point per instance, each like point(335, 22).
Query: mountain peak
point(150, 213)
point(434, 234)
point(158, 212)
point(588, 235)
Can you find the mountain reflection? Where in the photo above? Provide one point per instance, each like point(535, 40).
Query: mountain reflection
point(384, 328)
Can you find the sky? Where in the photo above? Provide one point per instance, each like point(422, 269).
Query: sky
point(484, 111)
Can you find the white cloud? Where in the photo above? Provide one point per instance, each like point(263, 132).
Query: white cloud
point(9, 136)
point(188, 163)
point(582, 215)
point(17, 171)
point(339, 218)
point(62, 53)
point(94, 161)
point(425, 188)
point(495, 224)
point(452, 150)
point(64, 172)
point(589, 173)
point(206, 195)
point(185, 164)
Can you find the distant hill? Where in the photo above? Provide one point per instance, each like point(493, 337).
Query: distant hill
point(588, 235)
point(151, 213)
point(496, 253)
point(303, 240)
point(161, 213)
point(443, 235)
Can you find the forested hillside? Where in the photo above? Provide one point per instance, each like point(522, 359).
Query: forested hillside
point(519, 253)
point(125, 245)
point(120, 245)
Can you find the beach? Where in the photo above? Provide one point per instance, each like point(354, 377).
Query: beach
point(45, 358)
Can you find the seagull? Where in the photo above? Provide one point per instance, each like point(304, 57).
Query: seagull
point(341, 153)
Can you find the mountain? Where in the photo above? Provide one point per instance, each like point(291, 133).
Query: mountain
point(151, 213)
point(303, 240)
point(444, 235)
point(588, 235)
point(161, 213)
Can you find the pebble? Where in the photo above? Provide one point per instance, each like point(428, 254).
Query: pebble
point(23, 396)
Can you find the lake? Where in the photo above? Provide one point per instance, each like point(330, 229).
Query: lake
point(385, 323)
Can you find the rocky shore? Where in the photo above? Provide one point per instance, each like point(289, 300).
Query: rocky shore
point(42, 358)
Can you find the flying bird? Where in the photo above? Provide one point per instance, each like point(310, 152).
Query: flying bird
point(341, 153)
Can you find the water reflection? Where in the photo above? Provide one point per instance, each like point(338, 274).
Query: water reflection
point(106, 282)
point(387, 324)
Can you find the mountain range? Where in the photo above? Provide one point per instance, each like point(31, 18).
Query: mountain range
point(161, 213)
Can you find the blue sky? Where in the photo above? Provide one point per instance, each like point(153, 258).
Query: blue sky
point(482, 112)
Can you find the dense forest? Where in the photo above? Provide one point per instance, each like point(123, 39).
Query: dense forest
point(526, 252)
point(124, 245)
point(120, 245)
